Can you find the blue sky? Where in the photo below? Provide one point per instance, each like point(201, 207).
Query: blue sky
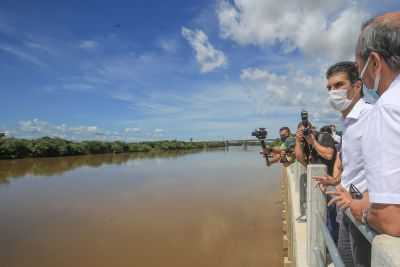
point(155, 70)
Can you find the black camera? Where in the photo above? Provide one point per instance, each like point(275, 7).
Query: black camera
point(288, 151)
point(304, 120)
point(261, 134)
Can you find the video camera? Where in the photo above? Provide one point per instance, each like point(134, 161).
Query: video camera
point(304, 120)
point(261, 134)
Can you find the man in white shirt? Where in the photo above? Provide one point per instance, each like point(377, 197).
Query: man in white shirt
point(378, 60)
point(346, 95)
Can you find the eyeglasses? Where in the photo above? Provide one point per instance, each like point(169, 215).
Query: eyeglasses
point(354, 192)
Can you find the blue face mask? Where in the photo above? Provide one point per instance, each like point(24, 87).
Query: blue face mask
point(374, 91)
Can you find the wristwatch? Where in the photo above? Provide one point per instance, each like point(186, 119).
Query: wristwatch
point(364, 215)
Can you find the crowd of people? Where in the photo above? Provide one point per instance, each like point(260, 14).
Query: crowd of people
point(362, 162)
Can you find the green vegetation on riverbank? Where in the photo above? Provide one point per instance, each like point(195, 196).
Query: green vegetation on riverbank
point(12, 148)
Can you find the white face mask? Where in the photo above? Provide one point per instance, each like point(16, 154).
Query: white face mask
point(338, 99)
point(374, 91)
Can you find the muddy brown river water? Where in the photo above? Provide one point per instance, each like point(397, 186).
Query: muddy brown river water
point(209, 208)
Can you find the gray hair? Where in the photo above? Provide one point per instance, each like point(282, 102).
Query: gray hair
point(383, 37)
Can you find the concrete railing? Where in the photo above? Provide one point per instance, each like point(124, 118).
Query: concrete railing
point(295, 227)
point(305, 242)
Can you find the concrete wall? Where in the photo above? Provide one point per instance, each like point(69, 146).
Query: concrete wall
point(296, 224)
point(385, 251)
point(301, 237)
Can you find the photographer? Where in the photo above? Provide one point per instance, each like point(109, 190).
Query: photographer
point(286, 144)
point(287, 155)
point(312, 149)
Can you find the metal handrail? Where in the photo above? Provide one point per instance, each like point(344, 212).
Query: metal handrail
point(330, 244)
point(318, 255)
point(367, 231)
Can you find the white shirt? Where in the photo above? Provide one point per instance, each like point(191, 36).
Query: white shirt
point(338, 140)
point(352, 158)
point(381, 147)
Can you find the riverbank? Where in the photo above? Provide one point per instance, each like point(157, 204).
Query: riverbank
point(13, 148)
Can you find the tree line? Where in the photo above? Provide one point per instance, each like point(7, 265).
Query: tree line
point(12, 148)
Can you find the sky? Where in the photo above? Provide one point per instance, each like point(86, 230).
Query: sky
point(157, 70)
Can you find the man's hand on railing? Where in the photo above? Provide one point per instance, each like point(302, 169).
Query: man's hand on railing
point(342, 198)
point(323, 181)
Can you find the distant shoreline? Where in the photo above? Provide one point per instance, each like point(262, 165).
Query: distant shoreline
point(13, 148)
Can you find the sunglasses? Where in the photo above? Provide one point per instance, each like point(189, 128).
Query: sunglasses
point(354, 192)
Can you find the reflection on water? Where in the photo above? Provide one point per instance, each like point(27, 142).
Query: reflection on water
point(58, 165)
point(216, 208)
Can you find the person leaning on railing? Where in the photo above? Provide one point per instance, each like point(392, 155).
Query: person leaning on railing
point(345, 95)
point(378, 60)
point(319, 149)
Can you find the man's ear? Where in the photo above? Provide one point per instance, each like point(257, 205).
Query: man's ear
point(376, 62)
point(358, 87)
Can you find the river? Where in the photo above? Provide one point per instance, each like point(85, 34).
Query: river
point(205, 208)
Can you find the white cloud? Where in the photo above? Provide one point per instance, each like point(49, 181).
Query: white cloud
point(168, 45)
point(42, 128)
point(158, 131)
point(132, 130)
point(206, 55)
point(24, 55)
point(255, 74)
point(293, 91)
point(88, 44)
point(37, 128)
point(314, 27)
point(34, 126)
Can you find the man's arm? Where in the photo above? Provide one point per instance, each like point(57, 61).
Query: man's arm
point(337, 169)
point(275, 158)
point(385, 218)
point(325, 151)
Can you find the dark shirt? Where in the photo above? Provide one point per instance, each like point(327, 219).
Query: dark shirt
point(325, 140)
point(312, 155)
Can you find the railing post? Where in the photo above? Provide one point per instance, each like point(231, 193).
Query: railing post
point(302, 184)
point(297, 173)
point(316, 201)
